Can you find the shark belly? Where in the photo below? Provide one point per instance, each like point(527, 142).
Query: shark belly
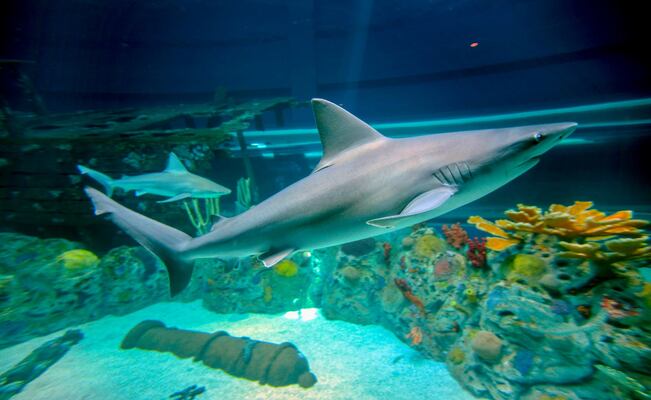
point(327, 208)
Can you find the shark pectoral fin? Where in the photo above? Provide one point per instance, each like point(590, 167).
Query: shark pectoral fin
point(422, 203)
point(269, 259)
point(176, 198)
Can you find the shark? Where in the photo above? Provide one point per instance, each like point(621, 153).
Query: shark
point(175, 183)
point(365, 184)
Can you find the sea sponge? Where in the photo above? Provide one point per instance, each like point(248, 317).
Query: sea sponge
point(524, 266)
point(351, 274)
point(79, 259)
point(286, 268)
point(428, 245)
point(487, 346)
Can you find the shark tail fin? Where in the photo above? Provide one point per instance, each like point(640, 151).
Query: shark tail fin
point(164, 241)
point(105, 180)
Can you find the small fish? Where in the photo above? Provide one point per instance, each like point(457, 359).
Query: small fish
point(175, 183)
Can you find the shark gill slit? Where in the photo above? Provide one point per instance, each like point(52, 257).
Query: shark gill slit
point(468, 173)
point(448, 175)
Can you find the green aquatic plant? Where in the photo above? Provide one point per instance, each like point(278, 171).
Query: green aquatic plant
point(202, 219)
point(244, 200)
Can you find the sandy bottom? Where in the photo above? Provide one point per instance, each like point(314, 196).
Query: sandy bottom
point(350, 361)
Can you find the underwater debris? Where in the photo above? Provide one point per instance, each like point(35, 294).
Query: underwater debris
point(268, 363)
point(189, 393)
point(36, 363)
point(455, 235)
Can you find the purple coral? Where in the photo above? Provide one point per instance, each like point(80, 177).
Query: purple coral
point(560, 307)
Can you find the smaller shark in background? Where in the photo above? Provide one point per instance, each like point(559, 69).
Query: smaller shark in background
point(175, 183)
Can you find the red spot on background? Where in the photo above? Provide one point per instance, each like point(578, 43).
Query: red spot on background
point(474, 44)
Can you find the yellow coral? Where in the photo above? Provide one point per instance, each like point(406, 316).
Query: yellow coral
point(268, 294)
point(286, 268)
point(74, 260)
point(456, 355)
point(524, 266)
point(428, 245)
point(567, 222)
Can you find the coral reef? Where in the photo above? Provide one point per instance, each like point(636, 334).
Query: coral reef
point(551, 305)
point(268, 363)
point(245, 285)
point(47, 285)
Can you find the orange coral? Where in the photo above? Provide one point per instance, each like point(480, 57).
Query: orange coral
point(416, 336)
point(568, 223)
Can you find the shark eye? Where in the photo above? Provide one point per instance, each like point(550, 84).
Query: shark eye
point(538, 136)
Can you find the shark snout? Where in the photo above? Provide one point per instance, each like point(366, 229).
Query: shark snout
point(563, 130)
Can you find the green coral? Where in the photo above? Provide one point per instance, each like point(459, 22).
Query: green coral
point(429, 245)
point(286, 268)
point(456, 355)
point(524, 266)
point(78, 259)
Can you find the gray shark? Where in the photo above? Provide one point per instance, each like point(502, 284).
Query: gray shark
point(175, 183)
point(366, 184)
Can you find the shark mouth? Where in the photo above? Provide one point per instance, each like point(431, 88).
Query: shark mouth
point(527, 165)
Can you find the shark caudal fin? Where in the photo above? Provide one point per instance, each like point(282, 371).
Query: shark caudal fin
point(162, 240)
point(105, 180)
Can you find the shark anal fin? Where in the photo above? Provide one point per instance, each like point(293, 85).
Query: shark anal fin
point(176, 198)
point(422, 203)
point(271, 258)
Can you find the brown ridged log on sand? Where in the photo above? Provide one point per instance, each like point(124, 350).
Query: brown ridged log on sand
point(268, 363)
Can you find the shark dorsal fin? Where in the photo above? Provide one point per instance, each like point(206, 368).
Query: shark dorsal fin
point(339, 130)
point(174, 164)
